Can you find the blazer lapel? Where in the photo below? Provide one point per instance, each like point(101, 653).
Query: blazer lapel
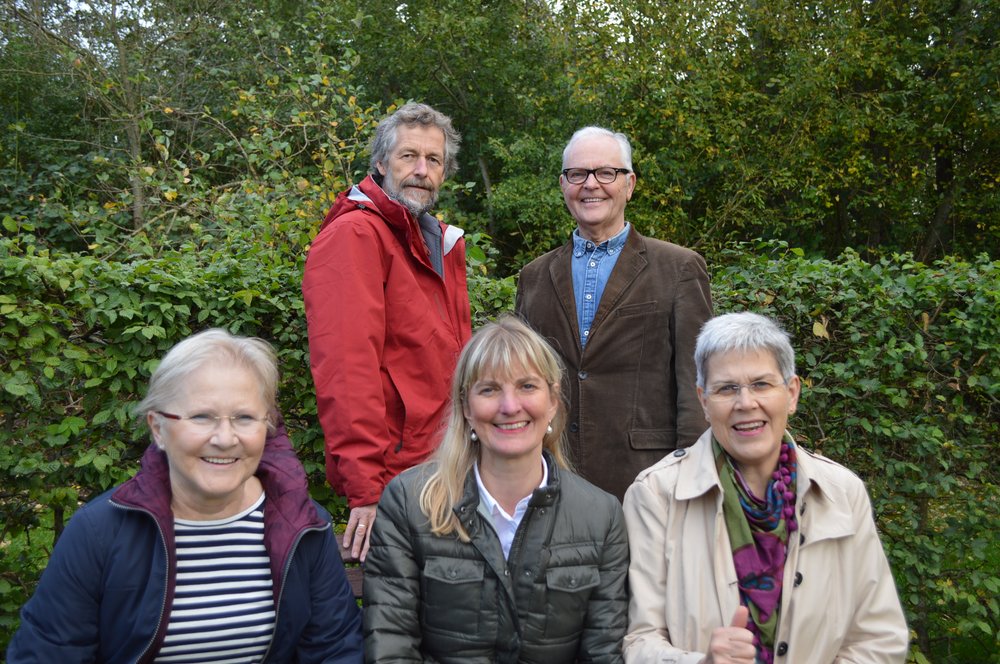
point(630, 264)
point(561, 274)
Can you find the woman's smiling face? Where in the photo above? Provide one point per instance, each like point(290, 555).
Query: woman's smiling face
point(510, 414)
point(749, 427)
point(209, 470)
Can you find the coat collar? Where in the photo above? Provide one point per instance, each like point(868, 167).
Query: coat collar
point(280, 472)
point(628, 268)
point(541, 497)
point(369, 195)
point(819, 492)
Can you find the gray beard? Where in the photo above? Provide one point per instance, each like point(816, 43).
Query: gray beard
point(416, 208)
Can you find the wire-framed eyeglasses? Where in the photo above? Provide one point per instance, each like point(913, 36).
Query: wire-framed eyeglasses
point(759, 389)
point(604, 175)
point(208, 422)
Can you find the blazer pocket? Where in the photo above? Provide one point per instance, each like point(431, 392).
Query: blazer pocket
point(638, 309)
point(659, 439)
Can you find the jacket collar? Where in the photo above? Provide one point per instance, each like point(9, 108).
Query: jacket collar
point(280, 472)
point(541, 497)
point(369, 195)
point(288, 509)
point(703, 477)
point(819, 492)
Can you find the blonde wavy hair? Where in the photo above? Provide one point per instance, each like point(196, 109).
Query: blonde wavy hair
point(497, 350)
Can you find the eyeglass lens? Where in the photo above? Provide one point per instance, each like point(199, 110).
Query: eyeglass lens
point(603, 175)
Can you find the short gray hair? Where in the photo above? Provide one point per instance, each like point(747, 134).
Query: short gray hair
point(414, 114)
point(744, 332)
point(212, 346)
point(592, 131)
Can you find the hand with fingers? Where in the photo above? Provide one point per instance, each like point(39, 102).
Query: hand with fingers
point(732, 644)
point(357, 536)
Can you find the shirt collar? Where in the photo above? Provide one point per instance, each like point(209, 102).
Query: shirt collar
point(613, 245)
point(491, 504)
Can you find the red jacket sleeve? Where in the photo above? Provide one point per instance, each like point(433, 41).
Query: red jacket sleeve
point(343, 288)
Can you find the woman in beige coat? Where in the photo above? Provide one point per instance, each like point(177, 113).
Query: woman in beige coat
point(745, 547)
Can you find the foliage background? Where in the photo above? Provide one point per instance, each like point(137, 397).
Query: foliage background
point(164, 166)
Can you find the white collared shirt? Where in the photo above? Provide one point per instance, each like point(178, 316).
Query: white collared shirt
point(505, 524)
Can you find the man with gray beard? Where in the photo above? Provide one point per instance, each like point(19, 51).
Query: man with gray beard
point(387, 311)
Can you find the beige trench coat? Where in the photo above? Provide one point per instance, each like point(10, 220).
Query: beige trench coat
point(839, 601)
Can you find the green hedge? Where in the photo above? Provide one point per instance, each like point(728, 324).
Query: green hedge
point(900, 364)
point(900, 361)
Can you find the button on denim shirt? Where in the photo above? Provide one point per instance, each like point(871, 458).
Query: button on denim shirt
point(592, 266)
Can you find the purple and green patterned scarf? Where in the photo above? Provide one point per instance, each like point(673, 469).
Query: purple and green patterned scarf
point(758, 530)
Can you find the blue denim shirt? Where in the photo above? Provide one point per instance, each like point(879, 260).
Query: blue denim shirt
point(592, 266)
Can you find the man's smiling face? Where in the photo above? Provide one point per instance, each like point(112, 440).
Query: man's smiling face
point(599, 209)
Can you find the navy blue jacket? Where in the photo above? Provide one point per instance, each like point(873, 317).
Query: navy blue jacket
point(108, 589)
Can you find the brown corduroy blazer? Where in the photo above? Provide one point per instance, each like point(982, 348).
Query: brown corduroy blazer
point(632, 389)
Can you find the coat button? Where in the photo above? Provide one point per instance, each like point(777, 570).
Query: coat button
point(574, 427)
point(782, 648)
point(798, 578)
point(679, 453)
point(582, 375)
point(802, 540)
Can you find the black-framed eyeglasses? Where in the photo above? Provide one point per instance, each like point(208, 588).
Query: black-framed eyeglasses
point(604, 175)
point(207, 422)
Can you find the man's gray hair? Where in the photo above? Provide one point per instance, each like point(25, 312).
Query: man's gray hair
point(591, 131)
point(745, 332)
point(414, 114)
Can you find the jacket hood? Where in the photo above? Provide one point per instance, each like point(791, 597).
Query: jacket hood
point(369, 195)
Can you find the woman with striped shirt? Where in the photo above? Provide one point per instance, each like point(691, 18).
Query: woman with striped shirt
point(214, 551)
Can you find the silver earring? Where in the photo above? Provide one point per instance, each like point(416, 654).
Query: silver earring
point(548, 429)
point(473, 436)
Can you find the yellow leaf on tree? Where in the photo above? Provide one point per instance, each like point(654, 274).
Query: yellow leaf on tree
point(170, 194)
point(819, 330)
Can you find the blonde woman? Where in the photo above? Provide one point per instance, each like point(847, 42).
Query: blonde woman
point(494, 550)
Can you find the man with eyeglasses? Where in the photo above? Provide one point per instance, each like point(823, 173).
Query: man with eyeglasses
point(623, 311)
point(387, 311)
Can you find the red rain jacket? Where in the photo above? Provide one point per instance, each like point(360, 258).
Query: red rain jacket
point(385, 331)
